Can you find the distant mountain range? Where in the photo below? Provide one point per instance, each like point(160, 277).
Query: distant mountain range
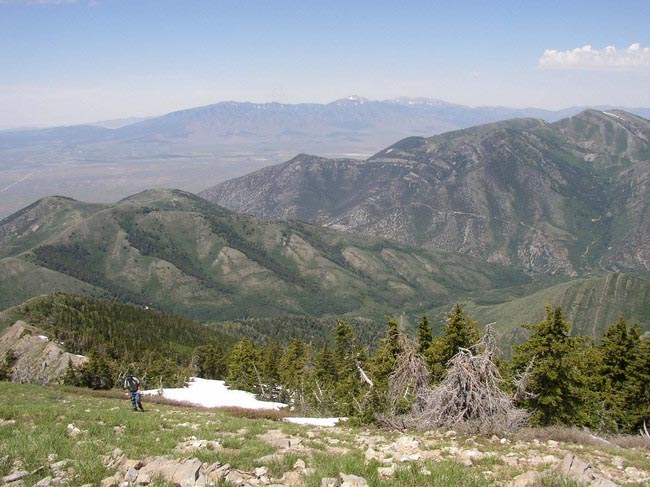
point(569, 197)
point(199, 147)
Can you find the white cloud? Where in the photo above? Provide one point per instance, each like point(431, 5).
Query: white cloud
point(634, 57)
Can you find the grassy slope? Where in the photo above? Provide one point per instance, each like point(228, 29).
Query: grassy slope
point(591, 304)
point(34, 419)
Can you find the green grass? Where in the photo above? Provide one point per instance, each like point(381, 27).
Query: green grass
point(34, 420)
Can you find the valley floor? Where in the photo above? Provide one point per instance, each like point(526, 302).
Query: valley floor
point(60, 436)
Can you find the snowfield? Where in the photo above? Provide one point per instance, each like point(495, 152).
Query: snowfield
point(215, 393)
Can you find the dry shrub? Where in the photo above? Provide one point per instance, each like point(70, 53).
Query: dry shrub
point(469, 399)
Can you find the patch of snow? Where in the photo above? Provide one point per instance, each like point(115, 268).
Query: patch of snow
point(44, 338)
point(389, 151)
point(315, 421)
point(614, 115)
point(214, 393)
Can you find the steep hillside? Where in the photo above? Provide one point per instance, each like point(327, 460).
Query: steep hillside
point(540, 196)
point(591, 305)
point(174, 251)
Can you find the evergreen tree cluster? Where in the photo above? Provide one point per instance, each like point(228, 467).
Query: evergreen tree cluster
point(571, 380)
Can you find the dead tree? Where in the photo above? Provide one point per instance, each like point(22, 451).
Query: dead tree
point(469, 398)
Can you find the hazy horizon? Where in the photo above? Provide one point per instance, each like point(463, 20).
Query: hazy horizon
point(77, 61)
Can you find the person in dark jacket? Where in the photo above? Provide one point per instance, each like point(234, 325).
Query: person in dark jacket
point(132, 385)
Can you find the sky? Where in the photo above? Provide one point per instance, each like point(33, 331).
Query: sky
point(75, 61)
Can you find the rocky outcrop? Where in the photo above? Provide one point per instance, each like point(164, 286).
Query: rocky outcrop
point(37, 359)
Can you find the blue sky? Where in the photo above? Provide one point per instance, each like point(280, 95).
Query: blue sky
point(70, 61)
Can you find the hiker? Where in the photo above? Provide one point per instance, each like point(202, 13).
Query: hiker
point(132, 385)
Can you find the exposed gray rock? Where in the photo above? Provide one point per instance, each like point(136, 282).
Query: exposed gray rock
point(352, 480)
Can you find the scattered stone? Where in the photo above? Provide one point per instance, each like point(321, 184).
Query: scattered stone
point(194, 444)
point(109, 482)
point(272, 458)
point(131, 475)
point(552, 443)
point(636, 475)
point(45, 482)
point(582, 471)
point(450, 433)
point(527, 479)
point(73, 431)
point(14, 476)
point(143, 479)
point(386, 471)
point(329, 482)
point(293, 479)
point(263, 471)
point(299, 465)
point(279, 439)
point(352, 481)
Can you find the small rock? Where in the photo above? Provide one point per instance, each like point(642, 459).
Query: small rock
point(503, 441)
point(109, 482)
point(352, 481)
point(14, 476)
point(299, 465)
point(46, 482)
point(263, 471)
point(329, 482)
point(266, 459)
point(527, 479)
point(143, 479)
point(424, 471)
point(386, 471)
point(293, 479)
point(73, 431)
point(131, 475)
point(450, 433)
point(552, 443)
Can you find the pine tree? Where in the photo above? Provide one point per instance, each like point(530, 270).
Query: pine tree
point(617, 352)
point(349, 357)
point(556, 380)
point(459, 332)
point(292, 372)
point(425, 335)
point(637, 388)
point(242, 366)
point(382, 362)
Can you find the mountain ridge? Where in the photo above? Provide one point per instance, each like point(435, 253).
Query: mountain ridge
point(520, 192)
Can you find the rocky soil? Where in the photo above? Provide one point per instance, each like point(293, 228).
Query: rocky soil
point(509, 462)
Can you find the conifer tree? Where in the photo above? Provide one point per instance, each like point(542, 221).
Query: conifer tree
point(556, 380)
point(270, 370)
point(242, 364)
point(618, 351)
point(292, 371)
point(425, 335)
point(637, 388)
point(383, 360)
point(349, 357)
point(459, 332)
